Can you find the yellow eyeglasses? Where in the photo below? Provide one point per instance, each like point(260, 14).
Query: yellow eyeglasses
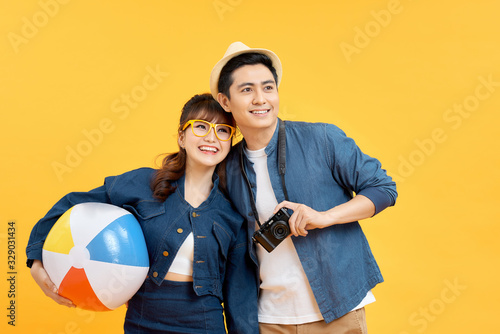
point(201, 128)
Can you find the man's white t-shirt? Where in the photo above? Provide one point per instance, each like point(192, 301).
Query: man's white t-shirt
point(285, 294)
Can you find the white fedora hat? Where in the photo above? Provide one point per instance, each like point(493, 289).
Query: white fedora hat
point(235, 49)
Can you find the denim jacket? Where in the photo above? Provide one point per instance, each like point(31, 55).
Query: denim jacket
point(324, 168)
point(221, 265)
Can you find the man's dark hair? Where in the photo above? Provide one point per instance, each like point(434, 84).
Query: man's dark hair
point(251, 58)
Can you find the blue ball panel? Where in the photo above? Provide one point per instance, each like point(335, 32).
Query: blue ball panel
point(121, 242)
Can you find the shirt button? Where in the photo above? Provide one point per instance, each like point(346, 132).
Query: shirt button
point(155, 274)
point(165, 253)
point(179, 230)
point(195, 215)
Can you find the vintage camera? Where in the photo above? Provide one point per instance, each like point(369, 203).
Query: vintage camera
point(273, 231)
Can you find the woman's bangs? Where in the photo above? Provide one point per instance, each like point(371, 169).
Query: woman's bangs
point(212, 116)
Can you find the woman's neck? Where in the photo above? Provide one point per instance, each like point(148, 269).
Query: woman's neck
point(197, 185)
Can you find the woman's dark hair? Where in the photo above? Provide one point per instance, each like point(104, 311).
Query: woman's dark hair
point(202, 106)
point(251, 58)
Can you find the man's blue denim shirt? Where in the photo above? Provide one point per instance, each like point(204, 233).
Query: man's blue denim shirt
point(324, 168)
point(227, 272)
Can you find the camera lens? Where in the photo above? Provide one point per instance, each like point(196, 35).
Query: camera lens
point(280, 230)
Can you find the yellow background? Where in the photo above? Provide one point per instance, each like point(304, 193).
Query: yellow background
point(392, 74)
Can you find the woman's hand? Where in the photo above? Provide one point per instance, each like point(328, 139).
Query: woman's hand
point(48, 287)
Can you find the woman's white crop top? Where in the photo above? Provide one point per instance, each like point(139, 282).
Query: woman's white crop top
point(183, 261)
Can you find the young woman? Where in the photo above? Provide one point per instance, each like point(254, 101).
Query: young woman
point(197, 243)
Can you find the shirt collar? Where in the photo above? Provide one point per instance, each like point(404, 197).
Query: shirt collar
point(273, 143)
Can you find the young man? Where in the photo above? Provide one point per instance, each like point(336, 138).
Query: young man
point(321, 277)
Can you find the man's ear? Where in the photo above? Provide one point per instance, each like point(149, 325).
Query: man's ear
point(223, 101)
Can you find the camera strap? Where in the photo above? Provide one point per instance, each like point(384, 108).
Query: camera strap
point(282, 155)
point(281, 167)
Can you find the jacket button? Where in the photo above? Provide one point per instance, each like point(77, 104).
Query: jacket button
point(195, 215)
point(155, 274)
point(179, 230)
point(165, 253)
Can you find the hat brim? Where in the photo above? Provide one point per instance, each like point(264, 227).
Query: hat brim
point(214, 76)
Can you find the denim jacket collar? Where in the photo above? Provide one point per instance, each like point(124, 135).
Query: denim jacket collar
point(273, 143)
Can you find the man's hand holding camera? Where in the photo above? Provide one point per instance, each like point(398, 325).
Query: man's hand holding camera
point(305, 218)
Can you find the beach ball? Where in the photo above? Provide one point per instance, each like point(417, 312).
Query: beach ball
point(96, 255)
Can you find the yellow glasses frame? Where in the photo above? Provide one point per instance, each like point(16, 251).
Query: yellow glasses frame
point(212, 125)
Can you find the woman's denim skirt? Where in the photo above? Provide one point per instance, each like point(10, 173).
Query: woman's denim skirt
point(173, 307)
